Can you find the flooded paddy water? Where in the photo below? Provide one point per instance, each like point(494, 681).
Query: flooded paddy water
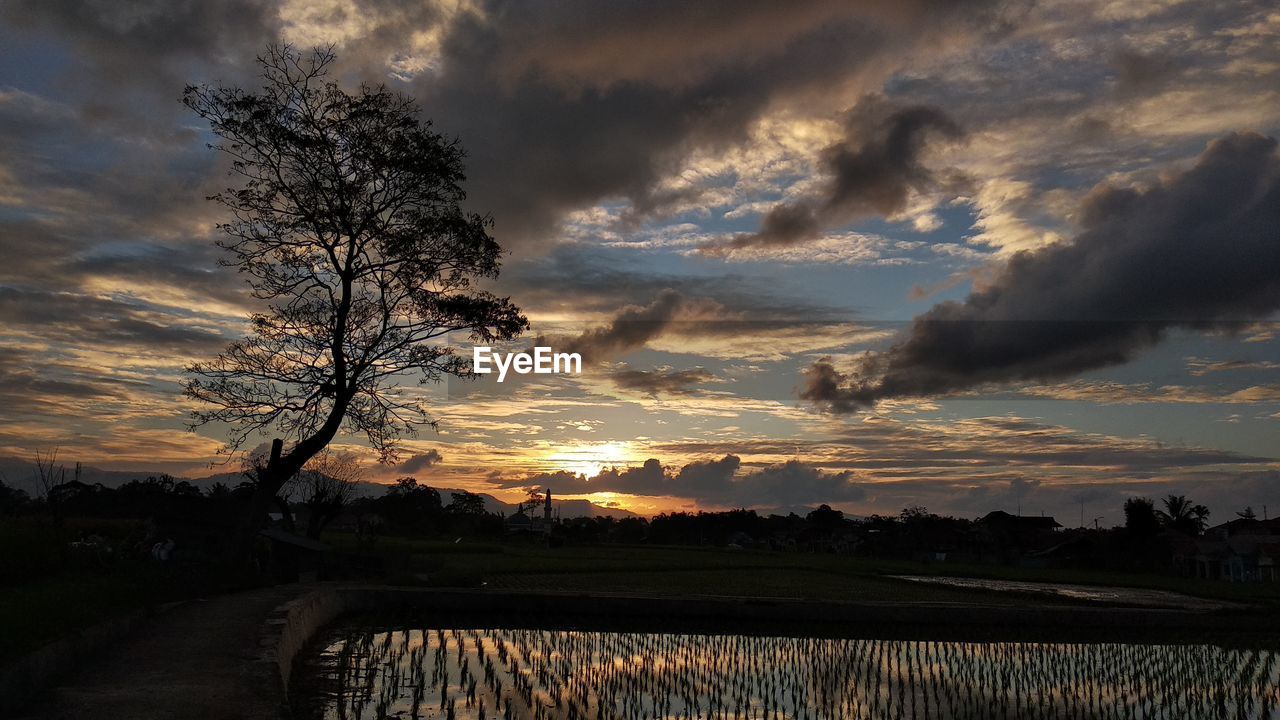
point(1130, 597)
point(363, 671)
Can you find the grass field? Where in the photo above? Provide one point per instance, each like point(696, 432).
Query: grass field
point(45, 608)
point(715, 571)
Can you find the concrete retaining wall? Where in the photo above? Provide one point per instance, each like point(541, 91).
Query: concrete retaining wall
point(293, 624)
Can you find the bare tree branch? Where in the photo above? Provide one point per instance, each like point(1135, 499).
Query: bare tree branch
point(347, 221)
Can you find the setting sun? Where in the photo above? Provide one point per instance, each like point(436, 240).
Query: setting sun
point(589, 459)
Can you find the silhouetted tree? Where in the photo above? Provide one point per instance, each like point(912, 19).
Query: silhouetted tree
point(408, 505)
point(324, 486)
point(1140, 517)
point(1247, 513)
point(465, 503)
point(347, 224)
point(825, 519)
point(47, 474)
point(915, 514)
point(1182, 515)
point(12, 500)
point(533, 499)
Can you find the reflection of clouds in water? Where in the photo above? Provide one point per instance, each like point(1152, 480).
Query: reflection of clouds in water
point(466, 673)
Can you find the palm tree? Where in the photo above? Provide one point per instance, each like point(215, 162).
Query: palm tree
point(1180, 514)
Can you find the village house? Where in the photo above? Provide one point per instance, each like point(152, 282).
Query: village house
point(1242, 550)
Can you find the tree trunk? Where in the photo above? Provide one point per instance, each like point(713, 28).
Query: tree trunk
point(273, 477)
point(253, 519)
point(287, 519)
point(316, 520)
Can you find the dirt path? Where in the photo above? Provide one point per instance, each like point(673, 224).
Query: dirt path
point(193, 662)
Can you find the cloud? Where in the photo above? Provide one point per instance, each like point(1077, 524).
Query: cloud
point(584, 280)
point(103, 322)
point(1138, 72)
point(1114, 393)
point(844, 248)
point(1199, 367)
point(713, 482)
point(675, 322)
point(873, 170)
point(1198, 250)
point(116, 41)
point(33, 388)
point(630, 329)
point(566, 105)
point(662, 381)
point(973, 465)
point(420, 462)
point(790, 486)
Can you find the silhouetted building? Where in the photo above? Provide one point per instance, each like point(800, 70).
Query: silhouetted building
point(1020, 524)
point(526, 522)
point(1010, 538)
point(1241, 550)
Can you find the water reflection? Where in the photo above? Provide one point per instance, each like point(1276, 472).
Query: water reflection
point(544, 674)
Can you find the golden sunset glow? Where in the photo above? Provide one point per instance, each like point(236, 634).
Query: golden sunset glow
point(766, 359)
point(589, 459)
point(739, 222)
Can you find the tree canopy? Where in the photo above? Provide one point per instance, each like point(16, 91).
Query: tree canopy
point(347, 224)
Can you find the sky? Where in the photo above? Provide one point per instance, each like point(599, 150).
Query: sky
point(962, 255)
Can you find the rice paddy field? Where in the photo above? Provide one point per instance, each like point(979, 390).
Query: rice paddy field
point(360, 672)
point(686, 571)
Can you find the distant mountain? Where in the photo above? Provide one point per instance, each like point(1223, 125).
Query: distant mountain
point(568, 509)
point(20, 473)
point(565, 509)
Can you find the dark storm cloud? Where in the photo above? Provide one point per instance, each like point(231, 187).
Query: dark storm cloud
point(584, 278)
point(33, 385)
point(650, 478)
point(1198, 249)
point(661, 382)
point(789, 484)
point(21, 383)
point(564, 105)
point(1139, 73)
point(420, 462)
point(630, 329)
point(129, 60)
point(673, 314)
point(873, 171)
point(97, 323)
point(713, 482)
point(560, 105)
point(193, 268)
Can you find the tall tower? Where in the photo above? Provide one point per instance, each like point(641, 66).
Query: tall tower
point(546, 509)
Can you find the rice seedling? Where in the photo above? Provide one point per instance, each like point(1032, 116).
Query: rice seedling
point(530, 674)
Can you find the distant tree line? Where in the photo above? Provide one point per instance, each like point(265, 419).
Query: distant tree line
point(409, 508)
point(323, 497)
